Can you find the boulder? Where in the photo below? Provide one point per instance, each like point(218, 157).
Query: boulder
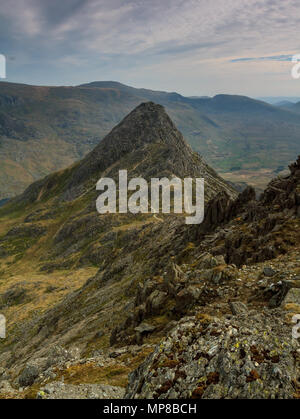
point(237, 307)
point(187, 297)
point(28, 375)
point(268, 271)
point(292, 297)
point(156, 301)
point(142, 330)
point(246, 357)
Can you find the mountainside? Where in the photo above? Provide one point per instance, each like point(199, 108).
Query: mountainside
point(295, 107)
point(187, 311)
point(284, 104)
point(43, 129)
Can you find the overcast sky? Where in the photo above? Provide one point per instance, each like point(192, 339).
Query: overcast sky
point(194, 47)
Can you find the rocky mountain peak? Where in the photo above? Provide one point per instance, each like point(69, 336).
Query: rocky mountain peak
point(148, 144)
point(147, 123)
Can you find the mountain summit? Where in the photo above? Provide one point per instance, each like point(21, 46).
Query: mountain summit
point(147, 144)
point(147, 128)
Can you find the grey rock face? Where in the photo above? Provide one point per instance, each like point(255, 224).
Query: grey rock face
point(142, 330)
point(268, 271)
point(249, 356)
point(237, 307)
point(82, 391)
point(28, 375)
point(292, 297)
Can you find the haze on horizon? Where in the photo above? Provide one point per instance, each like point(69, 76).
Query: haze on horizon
point(193, 47)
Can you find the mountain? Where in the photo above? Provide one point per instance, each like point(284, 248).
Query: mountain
point(146, 143)
point(295, 107)
point(53, 242)
point(43, 129)
point(284, 104)
point(99, 303)
point(273, 100)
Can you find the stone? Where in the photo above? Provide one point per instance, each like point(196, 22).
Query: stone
point(292, 297)
point(279, 291)
point(187, 297)
point(238, 358)
point(142, 330)
point(57, 390)
point(155, 301)
point(59, 354)
point(237, 307)
point(28, 376)
point(268, 271)
point(118, 352)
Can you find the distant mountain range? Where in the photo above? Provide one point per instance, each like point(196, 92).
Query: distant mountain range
point(44, 129)
point(274, 100)
point(294, 107)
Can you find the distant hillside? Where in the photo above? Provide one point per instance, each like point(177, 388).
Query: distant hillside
point(284, 104)
point(273, 100)
point(44, 129)
point(294, 107)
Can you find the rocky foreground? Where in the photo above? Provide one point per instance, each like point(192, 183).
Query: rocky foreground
point(248, 355)
point(238, 346)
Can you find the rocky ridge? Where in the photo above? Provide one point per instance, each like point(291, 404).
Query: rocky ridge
point(157, 277)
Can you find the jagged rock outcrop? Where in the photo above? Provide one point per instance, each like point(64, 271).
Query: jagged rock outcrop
point(174, 293)
point(245, 230)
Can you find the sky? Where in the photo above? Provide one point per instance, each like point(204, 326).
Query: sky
point(193, 47)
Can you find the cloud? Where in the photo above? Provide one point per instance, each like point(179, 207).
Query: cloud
point(67, 41)
point(268, 58)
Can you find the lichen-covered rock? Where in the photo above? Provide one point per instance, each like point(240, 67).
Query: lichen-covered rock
point(292, 297)
point(28, 375)
point(250, 355)
point(237, 307)
point(82, 391)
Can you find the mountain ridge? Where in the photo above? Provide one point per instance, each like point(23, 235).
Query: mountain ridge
point(44, 129)
point(94, 297)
